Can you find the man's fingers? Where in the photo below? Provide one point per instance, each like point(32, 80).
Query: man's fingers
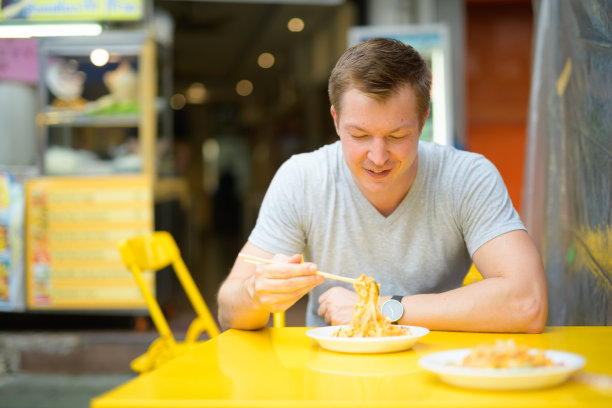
point(276, 302)
point(286, 270)
point(336, 305)
point(286, 286)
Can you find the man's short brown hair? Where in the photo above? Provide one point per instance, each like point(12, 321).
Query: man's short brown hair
point(378, 68)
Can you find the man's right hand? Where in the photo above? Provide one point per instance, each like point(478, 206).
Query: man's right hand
point(251, 292)
point(276, 287)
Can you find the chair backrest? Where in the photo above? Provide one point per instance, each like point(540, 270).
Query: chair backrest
point(156, 251)
point(472, 276)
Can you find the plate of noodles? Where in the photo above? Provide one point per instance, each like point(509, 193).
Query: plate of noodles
point(328, 338)
point(369, 331)
point(503, 365)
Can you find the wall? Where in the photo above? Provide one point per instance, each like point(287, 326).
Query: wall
point(498, 69)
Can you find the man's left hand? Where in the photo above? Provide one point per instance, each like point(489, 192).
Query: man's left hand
point(336, 305)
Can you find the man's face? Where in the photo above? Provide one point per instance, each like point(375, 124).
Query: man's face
point(379, 142)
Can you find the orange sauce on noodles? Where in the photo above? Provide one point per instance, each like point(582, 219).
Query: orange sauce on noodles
point(367, 321)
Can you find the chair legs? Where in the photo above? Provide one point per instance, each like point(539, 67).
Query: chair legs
point(157, 354)
point(199, 325)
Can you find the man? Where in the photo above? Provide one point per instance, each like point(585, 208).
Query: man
point(413, 215)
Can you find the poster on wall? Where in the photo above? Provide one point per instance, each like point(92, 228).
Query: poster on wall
point(71, 10)
point(11, 243)
point(73, 227)
point(432, 42)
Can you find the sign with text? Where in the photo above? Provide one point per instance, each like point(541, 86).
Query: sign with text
point(73, 227)
point(71, 10)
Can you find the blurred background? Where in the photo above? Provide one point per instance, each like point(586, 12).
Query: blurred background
point(174, 115)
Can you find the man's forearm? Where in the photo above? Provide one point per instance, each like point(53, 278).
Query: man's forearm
point(490, 305)
point(236, 309)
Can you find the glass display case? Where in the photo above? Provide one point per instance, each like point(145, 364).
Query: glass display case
point(98, 112)
point(97, 122)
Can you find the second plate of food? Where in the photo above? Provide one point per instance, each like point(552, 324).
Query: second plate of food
point(327, 339)
point(447, 365)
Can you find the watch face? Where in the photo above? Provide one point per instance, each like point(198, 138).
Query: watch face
point(392, 309)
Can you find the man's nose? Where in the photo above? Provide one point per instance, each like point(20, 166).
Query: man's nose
point(378, 153)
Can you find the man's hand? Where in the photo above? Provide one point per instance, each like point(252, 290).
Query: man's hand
point(276, 287)
point(336, 305)
point(251, 292)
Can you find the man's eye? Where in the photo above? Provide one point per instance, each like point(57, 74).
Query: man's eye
point(397, 137)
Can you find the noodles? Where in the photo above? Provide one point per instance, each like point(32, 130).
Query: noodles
point(505, 354)
point(367, 320)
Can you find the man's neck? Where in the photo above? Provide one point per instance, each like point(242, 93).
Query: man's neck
point(387, 202)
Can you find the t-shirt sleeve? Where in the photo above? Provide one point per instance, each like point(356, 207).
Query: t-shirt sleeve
point(279, 227)
point(485, 209)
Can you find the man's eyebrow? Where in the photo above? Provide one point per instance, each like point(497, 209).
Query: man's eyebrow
point(359, 128)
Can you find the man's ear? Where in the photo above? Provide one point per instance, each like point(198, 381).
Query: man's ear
point(335, 116)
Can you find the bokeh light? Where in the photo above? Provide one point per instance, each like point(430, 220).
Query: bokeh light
point(295, 25)
point(99, 57)
point(178, 101)
point(244, 87)
point(196, 93)
point(265, 60)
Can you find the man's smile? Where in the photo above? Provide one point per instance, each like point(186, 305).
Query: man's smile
point(378, 173)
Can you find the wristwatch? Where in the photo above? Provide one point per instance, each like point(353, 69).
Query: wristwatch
point(393, 308)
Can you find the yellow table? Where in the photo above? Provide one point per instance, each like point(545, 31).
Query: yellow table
point(282, 367)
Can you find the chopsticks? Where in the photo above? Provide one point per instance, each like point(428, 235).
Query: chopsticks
point(256, 260)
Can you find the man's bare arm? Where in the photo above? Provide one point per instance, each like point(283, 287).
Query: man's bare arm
point(512, 297)
point(251, 292)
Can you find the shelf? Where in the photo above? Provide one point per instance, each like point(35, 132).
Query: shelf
point(75, 118)
point(72, 117)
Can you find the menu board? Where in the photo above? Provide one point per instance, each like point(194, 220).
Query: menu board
point(73, 226)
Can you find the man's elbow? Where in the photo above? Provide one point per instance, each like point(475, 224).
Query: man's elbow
point(230, 318)
point(533, 312)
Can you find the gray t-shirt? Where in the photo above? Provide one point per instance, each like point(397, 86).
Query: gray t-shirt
point(457, 203)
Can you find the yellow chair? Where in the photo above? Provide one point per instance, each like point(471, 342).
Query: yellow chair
point(278, 319)
point(151, 253)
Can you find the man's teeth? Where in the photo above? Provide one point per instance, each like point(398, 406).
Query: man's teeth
point(377, 171)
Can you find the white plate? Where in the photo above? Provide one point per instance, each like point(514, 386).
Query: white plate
point(445, 365)
point(326, 339)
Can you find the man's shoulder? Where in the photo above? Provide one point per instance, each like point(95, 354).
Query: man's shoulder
point(437, 150)
point(320, 161)
point(450, 158)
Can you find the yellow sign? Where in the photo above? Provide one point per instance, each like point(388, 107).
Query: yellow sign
point(71, 10)
point(73, 226)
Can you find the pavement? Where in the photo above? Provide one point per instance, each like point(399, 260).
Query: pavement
point(65, 369)
point(34, 390)
point(65, 366)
